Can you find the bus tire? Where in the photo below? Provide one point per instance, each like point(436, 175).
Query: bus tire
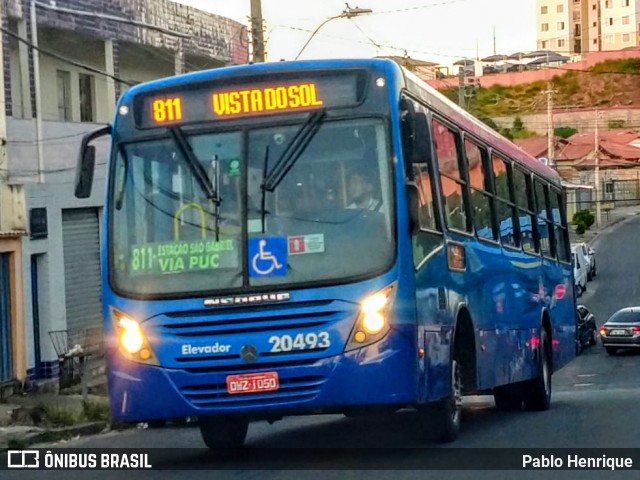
point(447, 413)
point(508, 398)
point(537, 393)
point(222, 432)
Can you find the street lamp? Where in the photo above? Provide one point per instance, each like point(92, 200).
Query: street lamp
point(348, 12)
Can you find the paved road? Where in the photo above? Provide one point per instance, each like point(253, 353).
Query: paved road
point(595, 404)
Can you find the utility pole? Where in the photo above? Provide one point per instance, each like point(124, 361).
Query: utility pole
point(461, 88)
point(257, 33)
point(550, 128)
point(597, 169)
point(494, 41)
point(38, 91)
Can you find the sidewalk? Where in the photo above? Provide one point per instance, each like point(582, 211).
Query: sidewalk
point(609, 219)
point(45, 417)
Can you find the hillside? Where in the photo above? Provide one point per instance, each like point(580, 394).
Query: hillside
point(607, 84)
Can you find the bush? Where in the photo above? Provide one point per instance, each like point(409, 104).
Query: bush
point(583, 218)
point(564, 132)
point(580, 228)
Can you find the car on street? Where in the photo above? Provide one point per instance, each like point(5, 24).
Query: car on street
point(580, 269)
point(589, 255)
point(587, 328)
point(622, 330)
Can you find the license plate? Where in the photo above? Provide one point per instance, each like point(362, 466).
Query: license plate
point(619, 332)
point(252, 383)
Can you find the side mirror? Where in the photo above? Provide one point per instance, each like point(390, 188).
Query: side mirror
point(84, 172)
point(87, 162)
point(413, 197)
point(408, 117)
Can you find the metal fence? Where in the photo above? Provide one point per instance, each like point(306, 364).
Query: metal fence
point(614, 193)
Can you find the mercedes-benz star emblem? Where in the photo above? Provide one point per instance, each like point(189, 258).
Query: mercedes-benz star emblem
point(249, 353)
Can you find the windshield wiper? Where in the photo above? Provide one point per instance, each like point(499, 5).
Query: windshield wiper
point(122, 188)
point(263, 200)
point(292, 152)
point(198, 171)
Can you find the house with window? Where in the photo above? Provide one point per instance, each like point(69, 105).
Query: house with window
point(54, 93)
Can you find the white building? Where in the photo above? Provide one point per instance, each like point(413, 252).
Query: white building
point(581, 26)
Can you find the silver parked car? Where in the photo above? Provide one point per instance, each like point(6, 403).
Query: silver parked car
point(622, 330)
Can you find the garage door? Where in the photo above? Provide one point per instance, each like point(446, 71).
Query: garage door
point(81, 246)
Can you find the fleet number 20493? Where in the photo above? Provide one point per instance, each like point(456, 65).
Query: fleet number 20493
point(301, 341)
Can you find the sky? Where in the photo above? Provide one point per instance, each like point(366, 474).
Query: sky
point(440, 31)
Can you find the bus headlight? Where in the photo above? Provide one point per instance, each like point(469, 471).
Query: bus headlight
point(131, 337)
point(132, 342)
point(373, 321)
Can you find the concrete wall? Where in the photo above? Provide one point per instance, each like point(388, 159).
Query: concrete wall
point(583, 120)
point(518, 78)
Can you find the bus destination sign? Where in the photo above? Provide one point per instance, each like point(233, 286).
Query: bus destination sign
point(188, 105)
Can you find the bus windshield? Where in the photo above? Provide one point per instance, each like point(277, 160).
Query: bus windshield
point(328, 217)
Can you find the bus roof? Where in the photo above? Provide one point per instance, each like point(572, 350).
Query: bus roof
point(471, 124)
point(414, 84)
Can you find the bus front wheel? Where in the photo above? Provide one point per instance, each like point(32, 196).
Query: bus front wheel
point(446, 415)
point(221, 432)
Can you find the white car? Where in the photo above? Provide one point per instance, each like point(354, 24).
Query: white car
point(590, 256)
point(580, 269)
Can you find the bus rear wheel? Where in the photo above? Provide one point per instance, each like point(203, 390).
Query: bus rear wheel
point(537, 392)
point(222, 432)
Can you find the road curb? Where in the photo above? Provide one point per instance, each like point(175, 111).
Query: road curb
point(57, 434)
point(608, 226)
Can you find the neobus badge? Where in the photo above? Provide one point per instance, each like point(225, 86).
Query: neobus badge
point(247, 299)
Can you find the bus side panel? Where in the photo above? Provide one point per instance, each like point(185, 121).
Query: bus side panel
point(435, 326)
point(563, 318)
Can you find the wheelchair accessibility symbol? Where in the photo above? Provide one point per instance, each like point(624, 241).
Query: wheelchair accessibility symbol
point(267, 257)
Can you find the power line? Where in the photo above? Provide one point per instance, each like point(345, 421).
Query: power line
point(419, 7)
point(64, 59)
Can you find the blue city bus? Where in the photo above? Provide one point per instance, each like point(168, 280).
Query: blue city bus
point(324, 237)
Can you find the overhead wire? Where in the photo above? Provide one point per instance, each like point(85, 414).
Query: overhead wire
point(62, 58)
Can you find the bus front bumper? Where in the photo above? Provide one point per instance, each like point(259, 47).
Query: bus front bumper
point(365, 377)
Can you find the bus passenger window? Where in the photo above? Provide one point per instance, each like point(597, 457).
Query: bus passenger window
point(480, 198)
point(526, 216)
point(423, 181)
point(505, 208)
point(425, 240)
point(561, 232)
point(452, 183)
point(545, 226)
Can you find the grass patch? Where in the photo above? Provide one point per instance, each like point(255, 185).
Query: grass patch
point(61, 416)
point(17, 443)
point(96, 411)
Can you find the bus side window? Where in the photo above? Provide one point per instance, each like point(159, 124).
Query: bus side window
point(505, 209)
point(561, 233)
point(545, 224)
point(427, 237)
point(480, 197)
point(453, 183)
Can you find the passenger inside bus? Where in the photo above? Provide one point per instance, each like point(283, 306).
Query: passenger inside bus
point(361, 193)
